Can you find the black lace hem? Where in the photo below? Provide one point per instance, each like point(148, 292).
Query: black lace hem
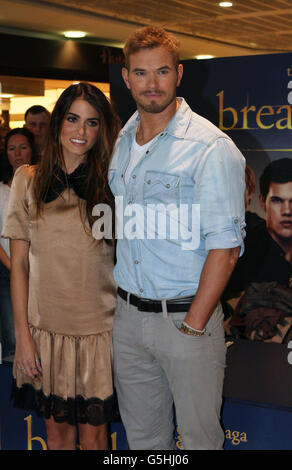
point(73, 410)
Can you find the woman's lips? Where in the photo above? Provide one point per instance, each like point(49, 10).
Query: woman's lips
point(78, 141)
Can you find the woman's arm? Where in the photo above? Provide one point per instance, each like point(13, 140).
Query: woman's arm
point(4, 258)
point(25, 352)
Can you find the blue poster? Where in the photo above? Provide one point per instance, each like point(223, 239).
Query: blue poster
point(249, 98)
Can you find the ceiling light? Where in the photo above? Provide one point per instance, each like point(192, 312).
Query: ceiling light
point(74, 34)
point(225, 4)
point(6, 95)
point(204, 56)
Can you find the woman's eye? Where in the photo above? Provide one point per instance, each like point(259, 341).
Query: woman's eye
point(93, 123)
point(71, 119)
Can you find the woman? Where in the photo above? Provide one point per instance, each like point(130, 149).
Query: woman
point(63, 293)
point(18, 150)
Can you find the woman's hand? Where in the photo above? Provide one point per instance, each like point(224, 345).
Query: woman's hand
point(26, 357)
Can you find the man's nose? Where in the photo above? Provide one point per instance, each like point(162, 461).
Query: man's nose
point(287, 208)
point(152, 80)
point(37, 129)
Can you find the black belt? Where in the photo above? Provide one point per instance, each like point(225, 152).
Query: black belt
point(145, 305)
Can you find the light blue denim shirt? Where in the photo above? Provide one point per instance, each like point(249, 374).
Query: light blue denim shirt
point(190, 163)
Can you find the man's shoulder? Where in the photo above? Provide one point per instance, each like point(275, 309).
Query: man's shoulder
point(127, 130)
point(117, 150)
point(204, 131)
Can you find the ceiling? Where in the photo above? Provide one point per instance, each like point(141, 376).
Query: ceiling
point(248, 27)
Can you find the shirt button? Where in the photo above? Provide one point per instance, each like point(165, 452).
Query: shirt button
point(236, 221)
point(136, 261)
point(134, 176)
point(149, 182)
point(168, 185)
point(141, 290)
point(130, 202)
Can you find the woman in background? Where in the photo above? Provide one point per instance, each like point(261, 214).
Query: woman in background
point(18, 150)
point(63, 293)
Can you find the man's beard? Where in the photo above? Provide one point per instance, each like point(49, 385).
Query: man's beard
point(154, 107)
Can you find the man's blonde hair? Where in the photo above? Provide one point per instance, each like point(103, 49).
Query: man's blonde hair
point(151, 37)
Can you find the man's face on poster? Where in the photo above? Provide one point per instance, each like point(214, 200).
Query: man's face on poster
point(278, 209)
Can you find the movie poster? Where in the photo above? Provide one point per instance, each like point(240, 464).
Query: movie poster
point(249, 98)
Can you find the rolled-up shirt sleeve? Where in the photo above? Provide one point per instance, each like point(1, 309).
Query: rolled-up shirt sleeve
point(219, 190)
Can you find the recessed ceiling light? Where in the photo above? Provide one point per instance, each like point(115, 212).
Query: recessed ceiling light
point(74, 34)
point(204, 56)
point(225, 4)
point(6, 95)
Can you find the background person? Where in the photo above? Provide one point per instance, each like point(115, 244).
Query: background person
point(18, 150)
point(37, 119)
point(3, 132)
point(63, 293)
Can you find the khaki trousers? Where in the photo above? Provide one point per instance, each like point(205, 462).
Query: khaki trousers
point(156, 366)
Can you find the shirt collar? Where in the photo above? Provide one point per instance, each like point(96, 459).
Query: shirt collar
point(177, 126)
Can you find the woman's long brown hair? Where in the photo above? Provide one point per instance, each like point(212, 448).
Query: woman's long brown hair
point(98, 158)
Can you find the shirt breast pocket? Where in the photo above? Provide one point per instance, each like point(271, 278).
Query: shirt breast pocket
point(161, 188)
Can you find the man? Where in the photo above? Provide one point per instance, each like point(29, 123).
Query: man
point(276, 201)
point(264, 272)
point(37, 119)
point(168, 156)
point(268, 244)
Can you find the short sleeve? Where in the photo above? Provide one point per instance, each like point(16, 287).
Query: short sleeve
point(16, 224)
point(221, 187)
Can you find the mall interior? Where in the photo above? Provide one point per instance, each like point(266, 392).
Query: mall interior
point(39, 58)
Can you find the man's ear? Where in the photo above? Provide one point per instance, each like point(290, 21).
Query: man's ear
point(180, 71)
point(125, 75)
point(262, 202)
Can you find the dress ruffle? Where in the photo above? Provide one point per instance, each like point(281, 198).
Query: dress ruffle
point(76, 385)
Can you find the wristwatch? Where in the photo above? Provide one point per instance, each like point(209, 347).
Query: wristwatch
point(191, 331)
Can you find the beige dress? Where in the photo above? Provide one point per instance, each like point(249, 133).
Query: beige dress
point(71, 303)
